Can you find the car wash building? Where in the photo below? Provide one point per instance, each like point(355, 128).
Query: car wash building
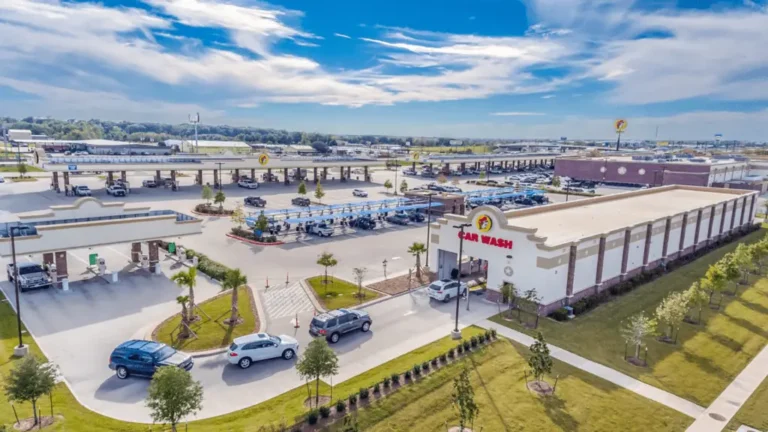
point(568, 251)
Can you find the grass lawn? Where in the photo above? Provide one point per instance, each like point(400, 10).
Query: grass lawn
point(15, 168)
point(339, 293)
point(582, 401)
point(753, 412)
point(211, 334)
point(706, 358)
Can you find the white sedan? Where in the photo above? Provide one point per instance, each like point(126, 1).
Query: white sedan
point(261, 346)
point(360, 193)
point(248, 184)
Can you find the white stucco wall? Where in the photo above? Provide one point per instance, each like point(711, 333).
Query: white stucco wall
point(636, 250)
point(612, 258)
point(673, 244)
point(586, 266)
point(690, 229)
point(657, 242)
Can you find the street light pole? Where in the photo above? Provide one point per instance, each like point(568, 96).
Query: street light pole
point(429, 222)
point(397, 166)
point(456, 334)
point(218, 180)
point(16, 287)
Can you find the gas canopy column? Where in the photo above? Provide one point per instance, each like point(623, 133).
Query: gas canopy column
point(314, 176)
point(286, 180)
point(135, 252)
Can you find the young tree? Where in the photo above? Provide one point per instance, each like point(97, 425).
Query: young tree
point(416, 249)
point(637, 328)
point(188, 279)
point(510, 294)
point(697, 297)
point(387, 185)
point(326, 260)
point(403, 186)
point(219, 199)
point(540, 360)
point(319, 360)
point(464, 400)
point(29, 380)
point(173, 395)
point(441, 179)
point(744, 260)
point(556, 181)
point(262, 223)
point(183, 300)
point(759, 252)
point(22, 170)
point(531, 301)
point(238, 215)
point(319, 192)
point(671, 311)
point(233, 280)
point(302, 189)
point(207, 194)
point(359, 276)
point(729, 265)
point(482, 175)
point(714, 280)
point(455, 181)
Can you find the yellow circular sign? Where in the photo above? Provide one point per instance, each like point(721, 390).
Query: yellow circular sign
point(263, 159)
point(416, 156)
point(620, 125)
point(483, 223)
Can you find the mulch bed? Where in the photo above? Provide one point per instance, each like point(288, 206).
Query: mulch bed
point(399, 284)
point(28, 424)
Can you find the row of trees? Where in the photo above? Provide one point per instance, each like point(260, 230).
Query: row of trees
point(319, 192)
point(732, 269)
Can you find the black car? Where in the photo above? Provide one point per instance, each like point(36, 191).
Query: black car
point(300, 201)
point(416, 216)
point(255, 201)
point(141, 357)
point(435, 187)
point(363, 222)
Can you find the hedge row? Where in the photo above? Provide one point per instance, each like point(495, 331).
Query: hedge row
point(248, 234)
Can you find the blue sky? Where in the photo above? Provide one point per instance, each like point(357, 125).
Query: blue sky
point(485, 68)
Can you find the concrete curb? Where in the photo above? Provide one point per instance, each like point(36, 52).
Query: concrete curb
point(388, 297)
point(253, 242)
point(311, 294)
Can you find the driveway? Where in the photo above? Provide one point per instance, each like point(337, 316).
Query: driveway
point(78, 330)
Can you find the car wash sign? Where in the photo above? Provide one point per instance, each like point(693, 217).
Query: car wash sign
point(484, 224)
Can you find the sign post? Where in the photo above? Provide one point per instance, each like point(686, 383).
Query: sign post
point(172, 247)
point(620, 125)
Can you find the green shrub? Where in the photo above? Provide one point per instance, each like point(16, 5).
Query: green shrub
point(387, 381)
point(395, 378)
point(312, 417)
point(560, 314)
point(325, 411)
point(416, 370)
point(363, 394)
point(340, 406)
point(443, 358)
point(425, 367)
point(407, 375)
point(460, 348)
point(493, 333)
point(352, 399)
point(450, 353)
point(466, 345)
point(376, 388)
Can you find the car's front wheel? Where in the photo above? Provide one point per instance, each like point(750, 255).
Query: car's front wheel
point(244, 363)
point(334, 338)
point(121, 372)
point(366, 326)
point(288, 354)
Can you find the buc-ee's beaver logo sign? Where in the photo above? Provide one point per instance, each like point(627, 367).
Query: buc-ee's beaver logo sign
point(263, 159)
point(483, 223)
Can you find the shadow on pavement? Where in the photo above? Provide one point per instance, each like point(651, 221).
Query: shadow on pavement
point(127, 391)
point(232, 375)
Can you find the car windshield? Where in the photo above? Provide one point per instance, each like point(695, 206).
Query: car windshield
point(30, 269)
point(274, 339)
point(163, 353)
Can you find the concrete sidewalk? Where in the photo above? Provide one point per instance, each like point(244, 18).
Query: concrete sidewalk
point(677, 403)
point(722, 410)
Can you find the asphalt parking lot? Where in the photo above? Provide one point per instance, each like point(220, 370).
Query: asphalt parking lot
point(79, 329)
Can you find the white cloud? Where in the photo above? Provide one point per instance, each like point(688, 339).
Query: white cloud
point(549, 96)
point(341, 35)
point(517, 113)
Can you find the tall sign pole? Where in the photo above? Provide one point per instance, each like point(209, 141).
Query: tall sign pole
point(195, 120)
point(718, 137)
point(620, 125)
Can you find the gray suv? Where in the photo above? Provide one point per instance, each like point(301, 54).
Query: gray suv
point(334, 323)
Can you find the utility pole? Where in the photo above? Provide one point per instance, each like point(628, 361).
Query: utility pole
point(195, 120)
point(456, 334)
point(20, 350)
point(429, 222)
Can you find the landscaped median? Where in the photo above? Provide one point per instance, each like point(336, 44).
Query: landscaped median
point(210, 330)
point(705, 357)
point(338, 293)
point(753, 413)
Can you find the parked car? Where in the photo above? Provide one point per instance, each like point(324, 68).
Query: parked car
point(142, 357)
point(333, 324)
point(255, 201)
point(435, 187)
point(409, 171)
point(261, 346)
point(300, 201)
point(248, 184)
point(452, 189)
point(399, 219)
point(149, 183)
point(457, 173)
point(81, 191)
point(31, 276)
point(363, 222)
point(416, 216)
point(2, 179)
point(446, 289)
point(319, 229)
point(360, 193)
point(116, 190)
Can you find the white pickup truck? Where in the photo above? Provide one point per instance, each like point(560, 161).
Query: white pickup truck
point(31, 276)
point(116, 190)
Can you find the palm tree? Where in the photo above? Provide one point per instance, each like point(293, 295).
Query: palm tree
point(184, 332)
point(233, 280)
point(416, 249)
point(188, 279)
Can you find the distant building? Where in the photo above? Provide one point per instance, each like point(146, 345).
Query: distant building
point(19, 134)
point(652, 171)
point(189, 146)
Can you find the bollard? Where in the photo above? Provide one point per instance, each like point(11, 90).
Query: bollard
point(296, 323)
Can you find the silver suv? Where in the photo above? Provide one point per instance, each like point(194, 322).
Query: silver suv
point(334, 323)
